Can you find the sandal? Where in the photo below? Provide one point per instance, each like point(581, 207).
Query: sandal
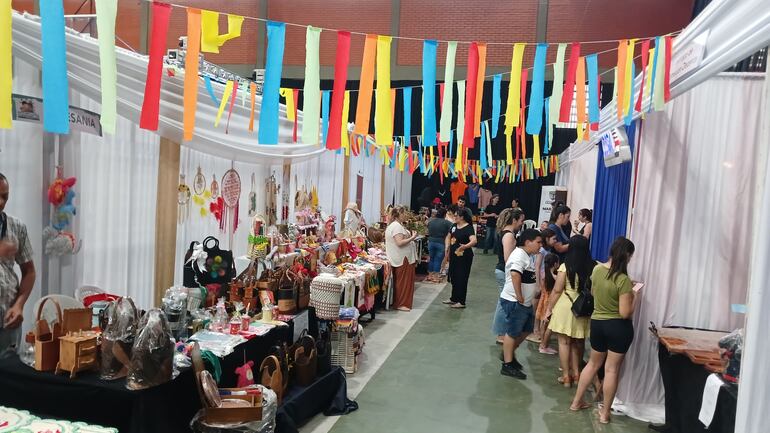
point(582, 406)
point(457, 305)
point(565, 380)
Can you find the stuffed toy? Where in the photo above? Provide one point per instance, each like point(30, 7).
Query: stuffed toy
point(57, 192)
point(245, 375)
point(64, 212)
point(58, 243)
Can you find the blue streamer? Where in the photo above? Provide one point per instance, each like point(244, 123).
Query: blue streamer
point(548, 131)
point(325, 118)
point(395, 155)
point(630, 114)
point(654, 67)
point(420, 155)
point(268, 116)
point(496, 103)
point(483, 149)
point(593, 88)
point(210, 89)
point(429, 92)
point(407, 93)
point(451, 144)
point(535, 115)
point(56, 112)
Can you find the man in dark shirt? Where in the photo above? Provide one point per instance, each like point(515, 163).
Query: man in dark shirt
point(491, 212)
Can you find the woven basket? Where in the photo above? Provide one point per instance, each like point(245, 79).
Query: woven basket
point(325, 294)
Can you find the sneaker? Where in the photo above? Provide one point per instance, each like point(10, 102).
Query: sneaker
point(512, 371)
point(447, 302)
point(514, 363)
point(548, 351)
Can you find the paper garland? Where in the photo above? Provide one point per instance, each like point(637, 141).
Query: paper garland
point(366, 86)
point(6, 64)
point(383, 118)
point(191, 63)
point(447, 103)
point(569, 85)
point(554, 107)
point(429, 93)
point(338, 93)
point(512, 111)
point(593, 88)
point(325, 97)
point(470, 97)
point(629, 80)
point(659, 79)
point(311, 106)
point(268, 115)
point(496, 84)
point(211, 40)
point(407, 96)
point(482, 47)
point(106, 11)
point(645, 58)
point(580, 95)
point(223, 103)
point(344, 136)
point(620, 78)
point(667, 75)
point(535, 121)
point(56, 118)
point(210, 90)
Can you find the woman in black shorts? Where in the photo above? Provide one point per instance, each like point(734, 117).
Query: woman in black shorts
point(611, 329)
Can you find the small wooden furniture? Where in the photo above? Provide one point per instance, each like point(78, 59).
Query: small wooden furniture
point(701, 347)
point(77, 352)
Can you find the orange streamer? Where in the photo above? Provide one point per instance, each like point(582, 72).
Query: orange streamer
point(366, 86)
point(191, 71)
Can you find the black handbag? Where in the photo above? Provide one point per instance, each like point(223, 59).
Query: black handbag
point(220, 268)
point(583, 306)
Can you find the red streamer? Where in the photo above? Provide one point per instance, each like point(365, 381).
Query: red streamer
point(333, 137)
point(150, 106)
point(296, 103)
point(569, 84)
point(667, 76)
point(645, 55)
point(469, 141)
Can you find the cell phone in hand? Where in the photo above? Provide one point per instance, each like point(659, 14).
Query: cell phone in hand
point(637, 287)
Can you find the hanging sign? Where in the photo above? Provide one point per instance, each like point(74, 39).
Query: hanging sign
point(689, 58)
point(30, 109)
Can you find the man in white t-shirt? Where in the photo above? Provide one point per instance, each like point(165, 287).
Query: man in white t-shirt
point(516, 299)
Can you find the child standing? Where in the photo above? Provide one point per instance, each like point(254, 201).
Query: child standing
point(551, 265)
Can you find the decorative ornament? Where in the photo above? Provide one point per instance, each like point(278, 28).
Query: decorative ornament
point(271, 206)
point(199, 183)
point(214, 187)
point(231, 194)
point(61, 195)
point(183, 200)
point(253, 197)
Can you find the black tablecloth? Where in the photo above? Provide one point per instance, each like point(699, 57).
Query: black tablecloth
point(683, 383)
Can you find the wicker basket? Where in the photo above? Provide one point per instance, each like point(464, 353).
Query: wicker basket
point(325, 295)
point(343, 345)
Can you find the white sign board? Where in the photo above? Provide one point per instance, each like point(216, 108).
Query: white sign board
point(548, 196)
point(687, 59)
point(30, 109)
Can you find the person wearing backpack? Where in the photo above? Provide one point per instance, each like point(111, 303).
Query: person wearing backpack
point(572, 329)
point(612, 331)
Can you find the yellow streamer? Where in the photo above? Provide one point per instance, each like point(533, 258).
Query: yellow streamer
point(459, 159)
point(514, 90)
point(629, 82)
point(211, 40)
point(289, 95)
point(225, 99)
point(508, 149)
point(536, 154)
point(345, 143)
point(6, 65)
point(383, 117)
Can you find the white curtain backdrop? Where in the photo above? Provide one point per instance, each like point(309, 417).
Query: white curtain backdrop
point(754, 392)
point(693, 224)
point(581, 182)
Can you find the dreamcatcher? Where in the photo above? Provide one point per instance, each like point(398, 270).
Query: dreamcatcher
point(202, 195)
point(183, 201)
point(301, 198)
point(214, 188)
point(253, 197)
point(271, 206)
point(199, 183)
point(231, 195)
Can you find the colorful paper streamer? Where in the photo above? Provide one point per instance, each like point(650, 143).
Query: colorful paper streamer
point(56, 117)
point(447, 103)
point(210, 90)
point(366, 86)
point(496, 84)
point(106, 11)
point(554, 107)
point(268, 115)
point(407, 96)
point(470, 97)
point(569, 84)
point(620, 83)
point(667, 76)
point(482, 47)
point(429, 92)
point(593, 88)
point(338, 93)
point(211, 40)
point(344, 136)
point(537, 93)
point(223, 104)
point(645, 58)
point(512, 111)
point(580, 94)
point(6, 64)
point(460, 114)
point(629, 80)
point(383, 118)
point(253, 92)
point(325, 97)
point(660, 72)
point(191, 63)
point(311, 105)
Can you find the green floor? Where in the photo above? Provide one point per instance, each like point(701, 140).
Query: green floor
point(444, 376)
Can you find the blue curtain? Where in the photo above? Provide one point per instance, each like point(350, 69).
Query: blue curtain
point(613, 189)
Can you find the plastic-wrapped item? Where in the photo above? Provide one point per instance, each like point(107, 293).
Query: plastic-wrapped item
point(153, 352)
point(221, 319)
point(118, 338)
point(267, 425)
point(731, 349)
point(174, 305)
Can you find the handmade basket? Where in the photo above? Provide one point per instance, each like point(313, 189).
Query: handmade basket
point(325, 294)
point(345, 348)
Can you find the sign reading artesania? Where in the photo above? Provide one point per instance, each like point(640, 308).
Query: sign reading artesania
point(30, 109)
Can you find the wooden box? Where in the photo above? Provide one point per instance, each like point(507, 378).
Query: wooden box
point(223, 414)
point(77, 352)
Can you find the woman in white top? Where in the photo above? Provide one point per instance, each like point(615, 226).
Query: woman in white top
point(401, 253)
point(353, 219)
